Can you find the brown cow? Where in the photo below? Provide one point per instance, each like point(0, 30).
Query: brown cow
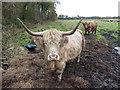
point(90, 26)
point(59, 47)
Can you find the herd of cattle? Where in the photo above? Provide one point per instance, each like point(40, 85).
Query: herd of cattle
point(60, 47)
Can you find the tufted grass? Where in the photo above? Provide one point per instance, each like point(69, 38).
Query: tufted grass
point(15, 37)
point(22, 38)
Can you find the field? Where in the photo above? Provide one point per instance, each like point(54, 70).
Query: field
point(98, 67)
point(106, 32)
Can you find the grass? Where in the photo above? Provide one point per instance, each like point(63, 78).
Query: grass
point(66, 25)
point(18, 36)
point(22, 38)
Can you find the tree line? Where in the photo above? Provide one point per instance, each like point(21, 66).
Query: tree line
point(66, 17)
point(33, 12)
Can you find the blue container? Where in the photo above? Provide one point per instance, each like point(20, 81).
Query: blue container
point(30, 46)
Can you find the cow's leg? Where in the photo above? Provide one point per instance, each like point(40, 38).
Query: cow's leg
point(89, 30)
point(95, 31)
point(60, 68)
point(85, 32)
point(92, 31)
point(52, 65)
point(52, 68)
point(78, 58)
point(80, 52)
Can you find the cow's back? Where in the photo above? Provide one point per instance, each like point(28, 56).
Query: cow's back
point(74, 46)
point(92, 24)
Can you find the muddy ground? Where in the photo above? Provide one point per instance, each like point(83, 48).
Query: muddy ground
point(98, 68)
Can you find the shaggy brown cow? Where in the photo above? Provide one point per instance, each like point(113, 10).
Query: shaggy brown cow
point(90, 26)
point(59, 47)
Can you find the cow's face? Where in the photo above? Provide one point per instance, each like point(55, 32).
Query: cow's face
point(85, 24)
point(52, 43)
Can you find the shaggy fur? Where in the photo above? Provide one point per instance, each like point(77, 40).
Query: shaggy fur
point(67, 47)
point(90, 26)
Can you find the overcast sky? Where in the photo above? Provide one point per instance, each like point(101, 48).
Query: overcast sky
point(88, 7)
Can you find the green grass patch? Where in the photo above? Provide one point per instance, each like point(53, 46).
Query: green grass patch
point(22, 38)
point(114, 35)
point(66, 25)
point(101, 38)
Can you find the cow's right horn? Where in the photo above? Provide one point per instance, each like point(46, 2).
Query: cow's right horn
point(28, 30)
point(71, 32)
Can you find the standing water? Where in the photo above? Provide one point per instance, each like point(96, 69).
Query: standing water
point(118, 50)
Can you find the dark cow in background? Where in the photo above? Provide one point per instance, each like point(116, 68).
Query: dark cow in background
point(90, 26)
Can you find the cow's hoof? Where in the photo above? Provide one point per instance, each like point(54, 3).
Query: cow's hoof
point(58, 81)
point(78, 60)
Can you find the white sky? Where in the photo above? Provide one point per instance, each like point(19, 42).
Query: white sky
point(88, 7)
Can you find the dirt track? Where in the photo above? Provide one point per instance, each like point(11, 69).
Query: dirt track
point(98, 68)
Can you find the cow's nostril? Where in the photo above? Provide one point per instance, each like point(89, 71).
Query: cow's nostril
point(56, 56)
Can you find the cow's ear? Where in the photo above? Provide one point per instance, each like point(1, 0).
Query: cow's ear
point(83, 23)
point(39, 42)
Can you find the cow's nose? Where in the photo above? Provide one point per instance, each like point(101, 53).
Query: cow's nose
point(53, 57)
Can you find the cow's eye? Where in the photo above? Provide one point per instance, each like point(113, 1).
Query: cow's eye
point(59, 43)
point(45, 43)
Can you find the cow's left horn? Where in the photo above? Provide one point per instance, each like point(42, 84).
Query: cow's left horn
point(71, 32)
point(28, 30)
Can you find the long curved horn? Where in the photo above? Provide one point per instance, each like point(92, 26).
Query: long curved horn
point(28, 30)
point(71, 32)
